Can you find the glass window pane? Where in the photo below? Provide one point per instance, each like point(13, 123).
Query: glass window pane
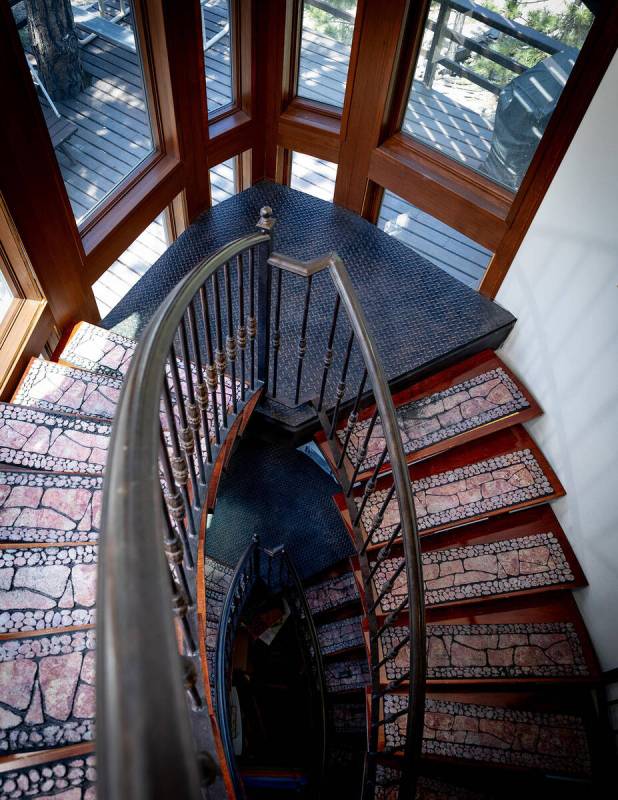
point(313, 176)
point(133, 264)
point(327, 30)
point(223, 181)
point(488, 80)
point(448, 249)
point(91, 93)
point(6, 296)
point(216, 37)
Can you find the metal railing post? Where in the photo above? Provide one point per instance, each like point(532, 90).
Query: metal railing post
point(265, 223)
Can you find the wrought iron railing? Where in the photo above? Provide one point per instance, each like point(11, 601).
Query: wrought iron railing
point(219, 337)
point(275, 570)
point(444, 34)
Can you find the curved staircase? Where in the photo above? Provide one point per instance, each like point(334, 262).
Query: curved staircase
point(458, 600)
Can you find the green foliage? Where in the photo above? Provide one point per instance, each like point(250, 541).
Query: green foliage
point(328, 24)
point(570, 26)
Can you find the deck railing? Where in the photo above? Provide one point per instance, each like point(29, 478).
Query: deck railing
point(494, 21)
point(211, 345)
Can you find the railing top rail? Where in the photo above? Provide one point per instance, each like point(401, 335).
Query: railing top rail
point(145, 747)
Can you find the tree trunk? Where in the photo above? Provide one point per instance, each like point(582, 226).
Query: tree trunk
point(55, 47)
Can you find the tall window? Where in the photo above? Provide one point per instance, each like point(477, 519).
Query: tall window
point(223, 180)
point(489, 77)
point(87, 70)
point(217, 39)
point(6, 297)
point(326, 37)
point(313, 176)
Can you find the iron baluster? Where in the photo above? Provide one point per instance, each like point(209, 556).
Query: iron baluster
point(180, 606)
point(179, 462)
point(252, 320)
point(388, 586)
point(177, 504)
point(277, 331)
point(377, 520)
point(328, 355)
point(302, 341)
point(341, 386)
point(185, 434)
point(392, 653)
point(201, 389)
point(220, 360)
point(211, 370)
point(362, 454)
point(193, 414)
point(352, 420)
point(265, 223)
point(383, 553)
point(369, 487)
point(390, 618)
point(189, 679)
point(242, 330)
point(230, 341)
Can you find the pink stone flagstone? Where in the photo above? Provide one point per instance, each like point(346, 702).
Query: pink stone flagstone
point(16, 680)
point(84, 584)
point(50, 580)
point(84, 706)
point(58, 678)
point(22, 598)
point(29, 496)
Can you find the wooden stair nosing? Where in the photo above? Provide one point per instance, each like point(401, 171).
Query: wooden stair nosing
point(424, 388)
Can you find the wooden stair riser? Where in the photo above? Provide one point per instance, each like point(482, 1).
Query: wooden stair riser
point(47, 690)
point(473, 399)
point(502, 472)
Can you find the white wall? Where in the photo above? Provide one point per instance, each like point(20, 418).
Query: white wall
point(563, 287)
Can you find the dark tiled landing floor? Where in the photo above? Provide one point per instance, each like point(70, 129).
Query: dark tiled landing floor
point(420, 315)
point(281, 495)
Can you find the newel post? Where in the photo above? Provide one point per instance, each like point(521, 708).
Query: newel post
point(265, 223)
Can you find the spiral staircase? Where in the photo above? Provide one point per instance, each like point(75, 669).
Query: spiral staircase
point(450, 659)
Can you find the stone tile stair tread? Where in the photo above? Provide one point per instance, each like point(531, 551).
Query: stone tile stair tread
point(49, 507)
point(348, 718)
point(331, 593)
point(47, 587)
point(428, 788)
point(504, 471)
point(67, 774)
point(518, 640)
point(52, 441)
point(521, 554)
point(97, 350)
point(341, 634)
point(517, 731)
point(349, 674)
point(50, 386)
point(47, 691)
point(477, 396)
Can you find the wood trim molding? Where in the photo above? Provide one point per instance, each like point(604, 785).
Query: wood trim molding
point(400, 166)
point(373, 60)
point(309, 130)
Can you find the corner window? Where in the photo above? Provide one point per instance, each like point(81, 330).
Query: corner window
point(313, 176)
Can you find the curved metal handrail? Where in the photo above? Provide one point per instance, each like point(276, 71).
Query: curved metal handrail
point(407, 516)
point(145, 747)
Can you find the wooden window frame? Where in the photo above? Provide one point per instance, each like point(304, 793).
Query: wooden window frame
point(373, 155)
